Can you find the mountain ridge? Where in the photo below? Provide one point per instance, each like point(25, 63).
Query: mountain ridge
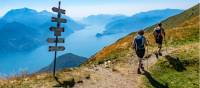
point(37, 22)
point(68, 60)
point(116, 64)
point(101, 19)
point(139, 21)
point(18, 38)
point(125, 42)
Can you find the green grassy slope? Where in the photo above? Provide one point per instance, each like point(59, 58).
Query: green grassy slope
point(182, 38)
point(180, 29)
point(179, 70)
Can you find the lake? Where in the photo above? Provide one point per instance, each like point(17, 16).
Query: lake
point(82, 43)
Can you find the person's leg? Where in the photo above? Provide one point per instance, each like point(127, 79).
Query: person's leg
point(160, 48)
point(139, 65)
point(142, 56)
point(157, 51)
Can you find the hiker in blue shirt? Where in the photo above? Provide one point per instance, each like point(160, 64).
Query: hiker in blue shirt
point(138, 45)
point(159, 34)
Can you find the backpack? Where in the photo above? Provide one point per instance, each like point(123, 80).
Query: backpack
point(159, 35)
point(139, 42)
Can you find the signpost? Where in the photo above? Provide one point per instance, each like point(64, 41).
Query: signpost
point(58, 48)
point(59, 20)
point(55, 9)
point(53, 40)
point(57, 29)
point(57, 32)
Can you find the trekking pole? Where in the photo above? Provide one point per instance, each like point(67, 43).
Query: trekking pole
point(147, 58)
point(166, 46)
point(147, 53)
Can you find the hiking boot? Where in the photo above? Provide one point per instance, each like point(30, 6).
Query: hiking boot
point(142, 67)
point(138, 71)
point(157, 55)
point(160, 53)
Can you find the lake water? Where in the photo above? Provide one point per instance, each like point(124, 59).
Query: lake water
point(83, 43)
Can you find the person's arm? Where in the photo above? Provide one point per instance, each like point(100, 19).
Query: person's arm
point(154, 32)
point(163, 32)
point(145, 42)
point(133, 44)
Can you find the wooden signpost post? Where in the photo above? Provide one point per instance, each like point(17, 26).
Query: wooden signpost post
point(57, 32)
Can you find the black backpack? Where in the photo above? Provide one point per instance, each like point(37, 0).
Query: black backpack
point(139, 42)
point(159, 35)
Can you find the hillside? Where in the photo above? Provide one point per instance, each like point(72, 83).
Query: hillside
point(182, 37)
point(18, 38)
point(65, 61)
point(181, 28)
point(28, 28)
point(115, 66)
point(101, 19)
point(35, 19)
point(139, 21)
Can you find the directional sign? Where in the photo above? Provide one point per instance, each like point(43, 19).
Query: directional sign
point(57, 33)
point(58, 48)
point(53, 40)
point(57, 29)
point(60, 20)
point(55, 9)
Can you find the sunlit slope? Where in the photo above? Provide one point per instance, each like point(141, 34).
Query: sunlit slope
point(182, 40)
point(180, 29)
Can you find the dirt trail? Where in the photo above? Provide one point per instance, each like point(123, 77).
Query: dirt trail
point(122, 77)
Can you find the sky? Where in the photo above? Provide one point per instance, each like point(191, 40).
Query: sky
point(82, 8)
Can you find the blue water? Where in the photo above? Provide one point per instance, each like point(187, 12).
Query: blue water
point(83, 43)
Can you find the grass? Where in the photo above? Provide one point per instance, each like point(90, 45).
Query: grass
point(180, 29)
point(45, 80)
point(165, 73)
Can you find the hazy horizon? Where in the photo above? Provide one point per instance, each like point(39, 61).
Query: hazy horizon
point(78, 9)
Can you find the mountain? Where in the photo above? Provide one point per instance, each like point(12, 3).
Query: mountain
point(2, 23)
point(181, 22)
point(115, 66)
point(35, 19)
point(26, 16)
point(17, 37)
point(32, 22)
point(65, 61)
point(139, 21)
point(101, 19)
point(180, 58)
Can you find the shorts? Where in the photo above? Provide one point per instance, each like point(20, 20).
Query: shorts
point(140, 53)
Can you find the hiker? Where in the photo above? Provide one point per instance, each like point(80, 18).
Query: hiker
point(159, 34)
point(139, 44)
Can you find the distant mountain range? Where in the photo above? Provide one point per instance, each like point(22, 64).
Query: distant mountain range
point(36, 19)
point(101, 19)
point(37, 25)
point(65, 61)
point(17, 37)
point(138, 21)
point(178, 69)
point(26, 29)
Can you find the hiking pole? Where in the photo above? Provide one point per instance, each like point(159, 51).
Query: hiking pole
point(166, 46)
point(147, 58)
point(147, 54)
